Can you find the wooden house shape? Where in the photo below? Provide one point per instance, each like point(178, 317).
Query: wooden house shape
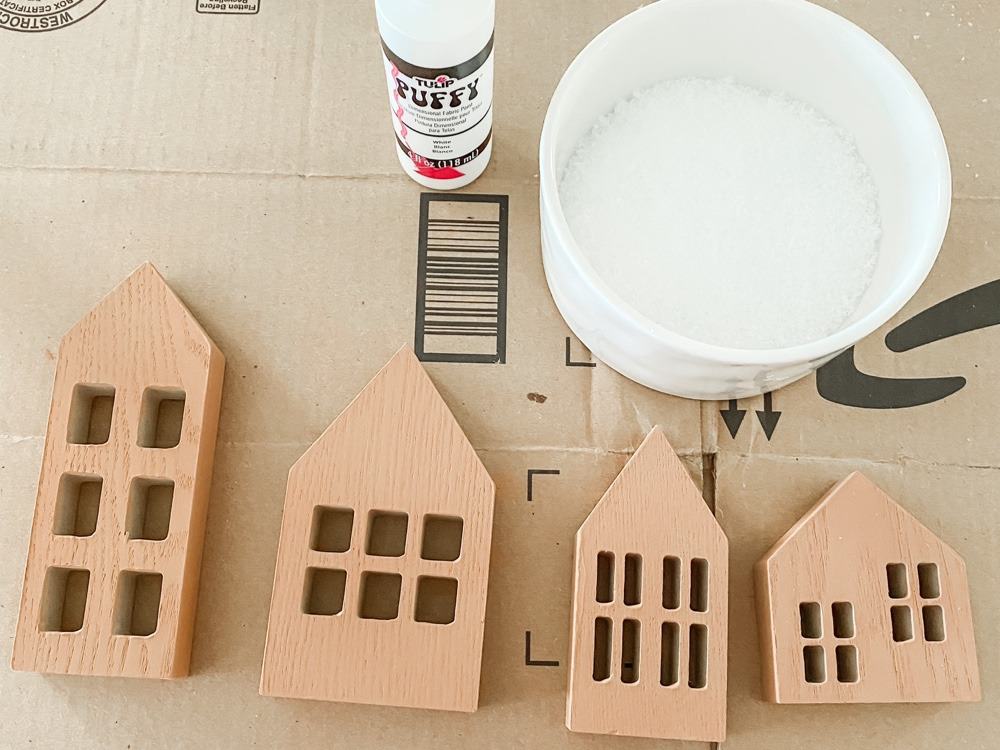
point(650, 607)
point(380, 584)
point(860, 603)
point(111, 581)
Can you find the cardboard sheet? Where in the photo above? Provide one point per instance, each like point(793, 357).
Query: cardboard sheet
point(249, 156)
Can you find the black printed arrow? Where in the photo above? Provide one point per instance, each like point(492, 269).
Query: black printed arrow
point(769, 417)
point(733, 417)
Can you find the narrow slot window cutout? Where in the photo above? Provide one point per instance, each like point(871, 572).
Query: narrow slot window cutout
point(331, 529)
point(896, 576)
point(78, 502)
point(933, 616)
point(930, 583)
point(810, 620)
point(386, 533)
point(436, 600)
point(630, 651)
point(902, 623)
point(605, 577)
point(137, 603)
point(161, 418)
point(814, 660)
point(380, 596)
point(843, 620)
point(324, 591)
point(847, 664)
point(602, 649)
point(90, 413)
point(698, 657)
point(442, 539)
point(670, 654)
point(64, 600)
point(671, 583)
point(633, 580)
point(149, 505)
point(699, 585)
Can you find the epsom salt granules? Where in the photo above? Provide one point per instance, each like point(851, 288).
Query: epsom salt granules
point(729, 215)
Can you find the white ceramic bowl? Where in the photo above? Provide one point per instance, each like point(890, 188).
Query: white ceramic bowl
point(780, 45)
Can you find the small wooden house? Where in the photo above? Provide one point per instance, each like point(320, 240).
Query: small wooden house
point(111, 582)
point(650, 607)
point(380, 585)
point(861, 603)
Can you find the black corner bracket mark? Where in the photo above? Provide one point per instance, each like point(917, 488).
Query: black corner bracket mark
point(531, 475)
point(569, 359)
point(528, 661)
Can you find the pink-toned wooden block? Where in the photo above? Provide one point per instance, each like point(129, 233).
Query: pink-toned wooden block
point(111, 582)
point(380, 584)
point(650, 607)
point(861, 603)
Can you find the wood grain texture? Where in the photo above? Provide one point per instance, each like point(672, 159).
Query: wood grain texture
point(396, 449)
point(911, 631)
point(653, 512)
point(140, 336)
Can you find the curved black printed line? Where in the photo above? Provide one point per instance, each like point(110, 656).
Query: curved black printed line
point(58, 28)
point(969, 311)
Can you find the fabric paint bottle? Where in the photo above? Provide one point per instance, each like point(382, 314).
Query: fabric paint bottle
point(438, 57)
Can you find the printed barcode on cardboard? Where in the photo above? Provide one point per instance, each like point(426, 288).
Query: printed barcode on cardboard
point(461, 311)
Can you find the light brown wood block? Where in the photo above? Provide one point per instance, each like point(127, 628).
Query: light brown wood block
point(861, 603)
point(111, 582)
point(650, 607)
point(380, 584)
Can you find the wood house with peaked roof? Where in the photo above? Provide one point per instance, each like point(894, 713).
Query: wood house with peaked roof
point(111, 581)
point(650, 607)
point(380, 585)
point(861, 603)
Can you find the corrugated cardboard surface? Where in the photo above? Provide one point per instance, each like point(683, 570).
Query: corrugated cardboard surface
point(250, 158)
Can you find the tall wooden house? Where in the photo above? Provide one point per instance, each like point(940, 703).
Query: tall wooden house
point(111, 582)
point(861, 603)
point(380, 585)
point(650, 607)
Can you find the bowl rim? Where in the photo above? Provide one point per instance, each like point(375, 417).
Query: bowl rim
point(906, 286)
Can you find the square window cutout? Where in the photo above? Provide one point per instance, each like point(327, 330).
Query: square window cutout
point(331, 529)
point(380, 596)
point(436, 600)
point(137, 603)
point(324, 591)
point(90, 414)
point(386, 533)
point(161, 417)
point(442, 538)
point(78, 502)
point(64, 600)
point(149, 505)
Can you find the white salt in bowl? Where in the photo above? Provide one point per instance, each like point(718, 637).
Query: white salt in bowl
point(791, 46)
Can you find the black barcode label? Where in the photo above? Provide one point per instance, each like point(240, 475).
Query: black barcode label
point(461, 311)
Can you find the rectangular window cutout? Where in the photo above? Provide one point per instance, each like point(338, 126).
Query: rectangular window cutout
point(324, 591)
point(930, 584)
point(633, 580)
point(902, 624)
point(137, 603)
point(442, 538)
point(90, 414)
point(602, 649)
point(331, 529)
point(670, 653)
point(386, 533)
point(698, 656)
point(843, 620)
point(605, 577)
point(699, 585)
point(815, 664)
point(64, 600)
point(436, 600)
point(810, 620)
point(149, 505)
point(847, 664)
point(896, 575)
point(161, 417)
point(380, 596)
point(630, 651)
point(671, 583)
point(933, 623)
point(78, 503)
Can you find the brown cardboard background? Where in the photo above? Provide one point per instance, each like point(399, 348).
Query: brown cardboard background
point(249, 157)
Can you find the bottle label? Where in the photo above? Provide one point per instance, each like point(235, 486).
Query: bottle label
point(443, 117)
